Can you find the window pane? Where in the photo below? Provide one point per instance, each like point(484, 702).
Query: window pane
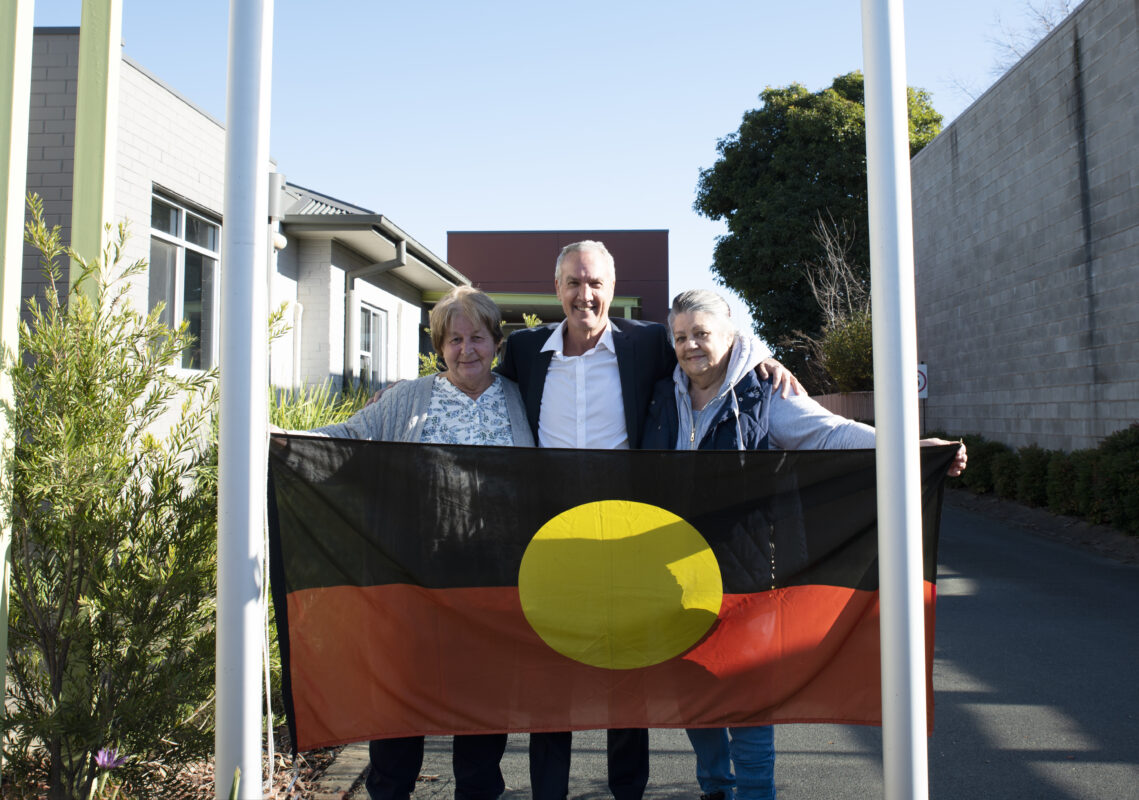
point(162, 271)
point(163, 217)
point(202, 233)
point(371, 345)
point(366, 318)
point(198, 309)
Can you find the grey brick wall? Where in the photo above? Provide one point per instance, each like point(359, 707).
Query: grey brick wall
point(51, 138)
point(1026, 228)
point(320, 289)
point(163, 142)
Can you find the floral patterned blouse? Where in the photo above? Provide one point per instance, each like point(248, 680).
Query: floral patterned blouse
point(454, 418)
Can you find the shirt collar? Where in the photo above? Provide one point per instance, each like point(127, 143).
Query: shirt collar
point(556, 342)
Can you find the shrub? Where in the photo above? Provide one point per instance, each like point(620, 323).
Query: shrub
point(1032, 482)
point(1125, 511)
point(1005, 469)
point(113, 533)
point(429, 364)
point(314, 406)
point(1060, 484)
point(978, 477)
point(1085, 471)
point(848, 355)
point(1117, 487)
point(1100, 485)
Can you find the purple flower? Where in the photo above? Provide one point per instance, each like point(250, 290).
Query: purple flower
point(108, 758)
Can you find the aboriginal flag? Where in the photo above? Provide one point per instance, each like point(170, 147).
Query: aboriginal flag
point(430, 589)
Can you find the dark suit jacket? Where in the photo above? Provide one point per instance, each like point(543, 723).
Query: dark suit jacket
point(644, 356)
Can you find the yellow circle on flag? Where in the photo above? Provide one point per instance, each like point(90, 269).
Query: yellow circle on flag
point(619, 585)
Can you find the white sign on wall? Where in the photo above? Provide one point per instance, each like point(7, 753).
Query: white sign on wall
point(923, 382)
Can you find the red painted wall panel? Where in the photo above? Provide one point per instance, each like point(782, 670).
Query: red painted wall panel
point(523, 261)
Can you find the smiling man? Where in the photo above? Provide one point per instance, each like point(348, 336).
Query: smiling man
point(587, 382)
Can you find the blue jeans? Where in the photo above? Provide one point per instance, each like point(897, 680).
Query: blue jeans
point(751, 750)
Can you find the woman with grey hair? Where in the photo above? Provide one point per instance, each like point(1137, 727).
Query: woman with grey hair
point(715, 401)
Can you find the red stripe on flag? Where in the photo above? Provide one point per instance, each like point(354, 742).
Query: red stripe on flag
point(400, 660)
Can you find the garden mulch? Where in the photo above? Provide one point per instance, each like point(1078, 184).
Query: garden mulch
point(195, 781)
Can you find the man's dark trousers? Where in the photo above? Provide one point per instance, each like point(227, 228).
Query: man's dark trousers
point(628, 750)
point(475, 759)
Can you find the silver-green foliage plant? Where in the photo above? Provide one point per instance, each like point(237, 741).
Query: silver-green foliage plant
point(112, 480)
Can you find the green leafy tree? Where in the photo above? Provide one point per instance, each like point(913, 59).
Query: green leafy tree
point(113, 513)
point(800, 155)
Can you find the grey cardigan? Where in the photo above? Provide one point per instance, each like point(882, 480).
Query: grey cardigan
point(399, 414)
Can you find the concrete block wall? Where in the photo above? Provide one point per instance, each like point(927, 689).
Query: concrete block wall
point(320, 289)
point(405, 320)
point(1026, 225)
point(166, 144)
point(51, 137)
point(320, 267)
point(162, 142)
point(283, 289)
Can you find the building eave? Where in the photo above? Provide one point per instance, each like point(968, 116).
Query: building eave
point(378, 239)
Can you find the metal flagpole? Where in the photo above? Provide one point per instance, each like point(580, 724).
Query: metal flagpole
point(243, 390)
point(15, 95)
point(905, 758)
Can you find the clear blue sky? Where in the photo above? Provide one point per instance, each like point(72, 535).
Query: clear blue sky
point(511, 115)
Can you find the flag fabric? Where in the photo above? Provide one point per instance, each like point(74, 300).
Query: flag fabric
point(433, 589)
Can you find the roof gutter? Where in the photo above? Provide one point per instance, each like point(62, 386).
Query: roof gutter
point(400, 260)
point(397, 235)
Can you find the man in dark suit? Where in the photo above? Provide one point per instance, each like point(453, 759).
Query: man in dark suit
point(587, 382)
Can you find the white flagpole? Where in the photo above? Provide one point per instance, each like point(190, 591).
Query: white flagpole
point(15, 95)
point(904, 757)
point(244, 374)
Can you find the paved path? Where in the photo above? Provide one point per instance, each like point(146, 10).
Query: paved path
point(1036, 681)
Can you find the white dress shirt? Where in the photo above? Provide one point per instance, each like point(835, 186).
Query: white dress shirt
point(582, 405)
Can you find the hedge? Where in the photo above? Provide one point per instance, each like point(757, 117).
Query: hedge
point(1100, 485)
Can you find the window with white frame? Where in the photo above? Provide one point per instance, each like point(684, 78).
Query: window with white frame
point(373, 337)
point(184, 255)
